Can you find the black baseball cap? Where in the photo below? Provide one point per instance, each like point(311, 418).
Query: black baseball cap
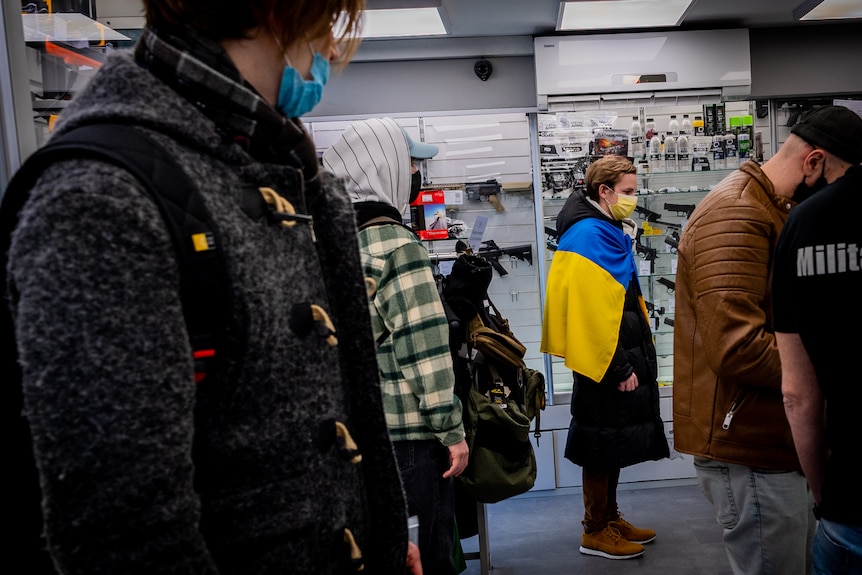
point(836, 129)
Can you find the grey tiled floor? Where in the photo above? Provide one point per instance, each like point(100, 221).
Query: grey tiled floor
point(539, 534)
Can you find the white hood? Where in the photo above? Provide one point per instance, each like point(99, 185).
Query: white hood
point(374, 158)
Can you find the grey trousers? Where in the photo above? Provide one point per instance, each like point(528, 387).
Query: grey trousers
point(767, 517)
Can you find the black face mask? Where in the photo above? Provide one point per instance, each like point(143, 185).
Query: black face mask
point(804, 191)
point(415, 186)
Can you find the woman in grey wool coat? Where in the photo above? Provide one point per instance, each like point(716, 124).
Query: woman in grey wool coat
point(278, 461)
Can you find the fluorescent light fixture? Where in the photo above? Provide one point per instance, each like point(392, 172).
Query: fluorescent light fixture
point(400, 22)
point(610, 14)
point(828, 10)
point(66, 27)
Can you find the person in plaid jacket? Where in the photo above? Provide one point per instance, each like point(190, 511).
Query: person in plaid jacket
point(376, 158)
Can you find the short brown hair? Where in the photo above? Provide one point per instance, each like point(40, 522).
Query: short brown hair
point(288, 20)
point(607, 170)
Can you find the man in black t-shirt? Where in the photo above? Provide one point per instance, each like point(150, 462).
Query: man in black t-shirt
point(817, 285)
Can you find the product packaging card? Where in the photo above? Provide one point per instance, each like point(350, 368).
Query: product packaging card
point(428, 215)
point(478, 231)
point(715, 119)
point(614, 142)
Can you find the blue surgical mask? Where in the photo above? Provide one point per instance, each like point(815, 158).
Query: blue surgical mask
point(298, 96)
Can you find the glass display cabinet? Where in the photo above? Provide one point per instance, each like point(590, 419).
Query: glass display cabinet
point(680, 152)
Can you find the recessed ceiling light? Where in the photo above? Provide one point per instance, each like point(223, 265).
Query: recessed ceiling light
point(610, 14)
point(828, 10)
point(392, 23)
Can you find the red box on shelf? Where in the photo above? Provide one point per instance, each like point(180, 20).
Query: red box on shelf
point(428, 215)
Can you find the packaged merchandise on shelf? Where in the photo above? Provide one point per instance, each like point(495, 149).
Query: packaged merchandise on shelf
point(428, 215)
point(656, 157)
point(709, 119)
point(614, 142)
point(575, 146)
point(649, 130)
point(701, 147)
point(731, 156)
point(636, 139)
point(720, 119)
point(714, 115)
point(697, 125)
point(745, 138)
point(673, 126)
point(685, 127)
point(683, 153)
point(642, 165)
point(718, 162)
point(670, 153)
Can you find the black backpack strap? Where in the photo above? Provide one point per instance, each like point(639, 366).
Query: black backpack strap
point(204, 281)
point(23, 508)
point(204, 290)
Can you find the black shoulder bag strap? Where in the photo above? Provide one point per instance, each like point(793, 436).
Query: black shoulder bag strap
point(204, 281)
point(204, 288)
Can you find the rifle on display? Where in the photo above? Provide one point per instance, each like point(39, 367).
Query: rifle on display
point(655, 218)
point(669, 284)
point(648, 253)
point(492, 252)
point(486, 191)
point(680, 209)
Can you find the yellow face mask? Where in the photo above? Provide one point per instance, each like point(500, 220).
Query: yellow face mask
point(624, 207)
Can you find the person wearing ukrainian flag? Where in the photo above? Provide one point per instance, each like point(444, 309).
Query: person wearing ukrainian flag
point(596, 319)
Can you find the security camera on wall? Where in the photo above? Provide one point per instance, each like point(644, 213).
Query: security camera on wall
point(483, 69)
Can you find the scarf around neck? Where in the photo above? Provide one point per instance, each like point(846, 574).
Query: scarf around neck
point(199, 69)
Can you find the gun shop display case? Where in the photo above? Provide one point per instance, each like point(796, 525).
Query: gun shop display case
point(671, 181)
point(670, 185)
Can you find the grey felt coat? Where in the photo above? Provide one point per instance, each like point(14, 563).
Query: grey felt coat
point(142, 471)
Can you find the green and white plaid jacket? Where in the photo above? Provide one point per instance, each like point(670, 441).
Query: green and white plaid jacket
point(416, 372)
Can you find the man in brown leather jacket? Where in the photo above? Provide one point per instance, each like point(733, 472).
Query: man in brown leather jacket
point(727, 403)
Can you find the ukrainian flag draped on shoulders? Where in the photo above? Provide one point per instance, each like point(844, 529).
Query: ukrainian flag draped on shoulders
point(585, 294)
